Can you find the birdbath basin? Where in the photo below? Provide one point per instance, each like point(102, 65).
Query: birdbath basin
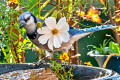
point(80, 72)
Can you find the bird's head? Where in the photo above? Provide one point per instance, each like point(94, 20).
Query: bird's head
point(27, 19)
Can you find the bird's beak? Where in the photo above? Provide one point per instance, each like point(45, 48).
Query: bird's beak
point(22, 23)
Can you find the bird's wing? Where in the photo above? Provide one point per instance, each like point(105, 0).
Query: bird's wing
point(74, 31)
point(40, 20)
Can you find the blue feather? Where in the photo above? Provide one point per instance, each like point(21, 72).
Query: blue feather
point(40, 20)
point(22, 16)
point(74, 31)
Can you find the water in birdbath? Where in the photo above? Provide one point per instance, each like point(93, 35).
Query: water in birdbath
point(32, 74)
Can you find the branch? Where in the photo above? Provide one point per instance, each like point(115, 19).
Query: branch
point(109, 13)
point(112, 18)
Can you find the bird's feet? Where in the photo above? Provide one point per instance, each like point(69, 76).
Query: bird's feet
point(42, 63)
point(39, 63)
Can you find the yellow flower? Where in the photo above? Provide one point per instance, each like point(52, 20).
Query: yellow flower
point(14, 1)
point(81, 13)
point(64, 57)
point(88, 63)
point(118, 28)
point(117, 19)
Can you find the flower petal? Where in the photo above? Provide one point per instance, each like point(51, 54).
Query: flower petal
point(50, 43)
point(64, 36)
point(56, 41)
point(44, 38)
point(44, 30)
point(62, 24)
point(50, 22)
point(65, 27)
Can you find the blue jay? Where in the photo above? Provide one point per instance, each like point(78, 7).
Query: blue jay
point(28, 21)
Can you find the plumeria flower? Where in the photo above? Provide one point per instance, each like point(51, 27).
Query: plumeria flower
point(54, 33)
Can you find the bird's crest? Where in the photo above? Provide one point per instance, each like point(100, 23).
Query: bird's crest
point(22, 16)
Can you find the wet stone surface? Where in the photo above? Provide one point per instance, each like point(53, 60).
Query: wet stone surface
point(30, 74)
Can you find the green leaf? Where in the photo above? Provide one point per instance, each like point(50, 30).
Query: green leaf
point(3, 50)
point(7, 56)
point(44, 5)
point(20, 43)
point(19, 56)
point(15, 42)
point(54, 14)
point(13, 38)
point(15, 34)
point(29, 45)
point(25, 41)
point(7, 50)
point(34, 45)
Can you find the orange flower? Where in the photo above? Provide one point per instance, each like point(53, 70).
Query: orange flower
point(88, 63)
point(81, 13)
point(13, 1)
point(93, 14)
point(92, 11)
point(89, 13)
point(96, 18)
point(64, 57)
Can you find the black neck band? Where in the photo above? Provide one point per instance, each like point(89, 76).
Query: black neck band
point(32, 35)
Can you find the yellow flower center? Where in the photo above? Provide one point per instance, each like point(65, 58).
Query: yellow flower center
point(55, 31)
point(64, 57)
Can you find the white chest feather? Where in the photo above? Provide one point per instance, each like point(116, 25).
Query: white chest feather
point(30, 26)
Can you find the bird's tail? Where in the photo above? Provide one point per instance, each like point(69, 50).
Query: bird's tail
point(74, 31)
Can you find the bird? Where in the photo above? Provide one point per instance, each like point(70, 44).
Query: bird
point(29, 21)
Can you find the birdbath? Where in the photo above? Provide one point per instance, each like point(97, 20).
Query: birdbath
point(80, 72)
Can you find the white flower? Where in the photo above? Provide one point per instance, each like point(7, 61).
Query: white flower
point(54, 33)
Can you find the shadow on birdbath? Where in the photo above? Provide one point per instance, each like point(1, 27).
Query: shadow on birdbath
point(28, 71)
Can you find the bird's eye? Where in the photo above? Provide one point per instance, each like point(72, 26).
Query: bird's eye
point(26, 19)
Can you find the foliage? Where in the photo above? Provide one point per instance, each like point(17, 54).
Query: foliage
point(60, 65)
point(13, 44)
point(61, 73)
point(106, 50)
point(13, 41)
